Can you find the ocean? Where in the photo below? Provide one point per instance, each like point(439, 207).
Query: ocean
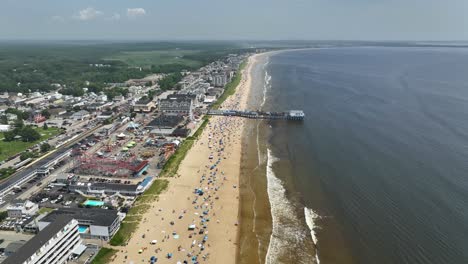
point(378, 170)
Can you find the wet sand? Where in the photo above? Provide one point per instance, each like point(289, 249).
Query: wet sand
point(212, 166)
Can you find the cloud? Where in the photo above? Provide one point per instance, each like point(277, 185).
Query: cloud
point(135, 12)
point(115, 16)
point(88, 14)
point(58, 18)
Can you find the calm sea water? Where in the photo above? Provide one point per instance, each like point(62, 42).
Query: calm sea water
point(382, 157)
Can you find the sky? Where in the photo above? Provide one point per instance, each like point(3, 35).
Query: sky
point(234, 19)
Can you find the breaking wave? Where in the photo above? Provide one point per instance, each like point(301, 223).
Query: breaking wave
point(266, 84)
point(288, 234)
point(310, 217)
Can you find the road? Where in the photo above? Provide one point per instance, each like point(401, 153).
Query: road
point(53, 141)
point(9, 197)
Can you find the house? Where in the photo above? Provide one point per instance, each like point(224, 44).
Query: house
point(96, 106)
point(57, 111)
point(4, 128)
point(80, 115)
point(4, 101)
point(144, 105)
point(55, 243)
point(105, 115)
point(102, 98)
point(118, 98)
point(11, 117)
point(22, 208)
point(94, 223)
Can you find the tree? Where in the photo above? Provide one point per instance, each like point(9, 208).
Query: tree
point(9, 136)
point(151, 94)
point(45, 113)
point(28, 134)
point(19, 114)
point(26, 155)
point(19, 123)
point(45, 127)
point(45, 147)
point(77, 92)
point(4, 120)
point(169, 81)
point(3, 215)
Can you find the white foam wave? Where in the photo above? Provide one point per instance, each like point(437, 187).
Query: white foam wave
point(288, 234)
point(266, 84)
point(310, 217)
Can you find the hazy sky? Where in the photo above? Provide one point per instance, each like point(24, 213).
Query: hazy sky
point(235, 19)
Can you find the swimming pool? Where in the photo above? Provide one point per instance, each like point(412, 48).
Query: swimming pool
point(82, 229)
point(93, 203)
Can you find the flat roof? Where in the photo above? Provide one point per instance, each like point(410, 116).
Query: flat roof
point(165, 121)
point(19, 175)
point(95, 216)
point(114, 186)
point(33, 245)
point(143, 101)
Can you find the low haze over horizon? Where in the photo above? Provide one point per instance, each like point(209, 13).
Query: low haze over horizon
point(231, 20)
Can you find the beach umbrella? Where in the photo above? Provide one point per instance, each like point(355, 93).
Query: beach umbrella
point(140, 251)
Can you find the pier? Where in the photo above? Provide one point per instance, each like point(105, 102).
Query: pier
point(296, 115)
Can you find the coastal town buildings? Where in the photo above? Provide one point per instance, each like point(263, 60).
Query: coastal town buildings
point(96, 223)
point(144, 105)
point(54, 244)
point(180, 105)
point(111, 134)
point(20, 209)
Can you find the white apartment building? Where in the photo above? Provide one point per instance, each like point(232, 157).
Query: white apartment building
point(54, 244)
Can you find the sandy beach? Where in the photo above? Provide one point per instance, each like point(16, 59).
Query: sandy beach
point(197, 218)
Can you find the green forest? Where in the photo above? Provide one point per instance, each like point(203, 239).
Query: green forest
point(32, 67)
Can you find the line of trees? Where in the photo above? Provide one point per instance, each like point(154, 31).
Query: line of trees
point(26, 133)
point(170, 81)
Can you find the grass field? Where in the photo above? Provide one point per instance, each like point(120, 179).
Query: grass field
point(155, 57)
point(104, 256)
point(45, 210)
point(8, 149)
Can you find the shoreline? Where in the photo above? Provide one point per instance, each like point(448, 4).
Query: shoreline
point(265, 202)
point(256, 220)
point(215, 213)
